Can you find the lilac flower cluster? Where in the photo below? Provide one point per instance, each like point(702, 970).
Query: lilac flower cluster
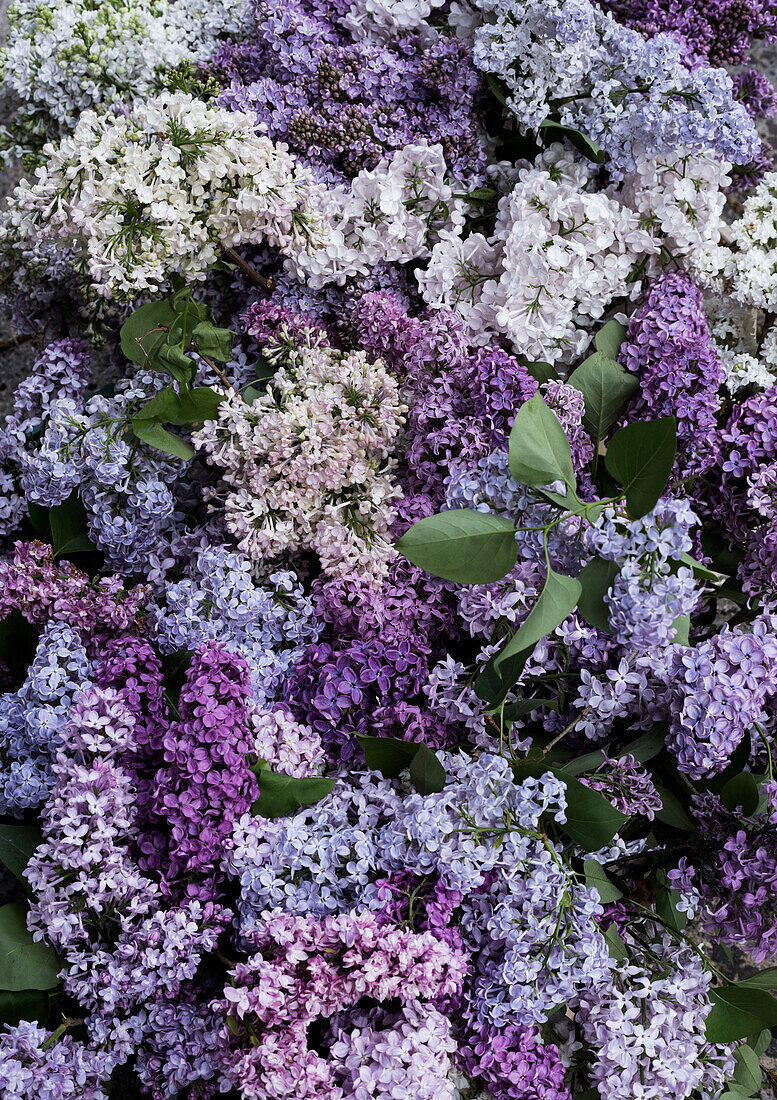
point(343, 101)
point(371, 299)
point(670, 351)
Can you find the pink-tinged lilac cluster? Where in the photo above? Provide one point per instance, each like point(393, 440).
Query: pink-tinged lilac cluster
point(341, 100)
point(205, 781)
point(307, 972)
point(32, 719)
point(730, 884)
point(513, 1063)
point(44, 589)
point(56, 382)
point(669, 349)
point(745, 501)
point(717, 693)
point(306, 465)
point(647, 1026)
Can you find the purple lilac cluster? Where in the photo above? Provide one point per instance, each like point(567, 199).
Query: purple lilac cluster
point(669, 349)
point(732, 889)
point(514, 1064)
point(721, 32)
point(290, 840)
point(744, 487)
point(342, 102)
point(205, 781)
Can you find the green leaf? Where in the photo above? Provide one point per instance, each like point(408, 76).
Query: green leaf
point(157, 436)
point(24, 964)
point(760, 1043)
point(607, 389)
point(596, 877)
point(615, 943)
point(741, 790)
point(701, 571)
point(764, 979)
point(747, 1071)
point(426, 771)
point(462, 545)
point(163, 407)
point(182, 367)
point(69, 527)
point(145, 331)
point(738, 1011)
point(542, 372)
point(580, 141)
point(201, 403)
point(591, 821)
point(39, 518)
point(666, 903)
point(539, 449)
point(493, 684)
point(682, 630)
point(17, 843)
point(390, 756)
point(23, 1004)
point(280, 795)
point(387, 755)
point(214, 342)
point(596, 579)
point(558, 599)
point(672, 811)
point(640, 457)
point(609, 338)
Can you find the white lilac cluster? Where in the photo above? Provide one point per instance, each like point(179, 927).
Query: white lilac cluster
point(733, 330)
point(382, 19)
point(630, 94)
point(392, 213)
point(64, 57)
point(745, 267)
point(306, 466)
point(160, 190)
point(558, 256)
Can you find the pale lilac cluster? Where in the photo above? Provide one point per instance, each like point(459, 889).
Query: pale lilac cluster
point(30, 1067)
point(306, 465)
point(717, 693)
point(32, 719)
point(57, 379)
point(285, 744)
point(627, 93)
point(648, 1029)
point(218, 600)
point(652, 589)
